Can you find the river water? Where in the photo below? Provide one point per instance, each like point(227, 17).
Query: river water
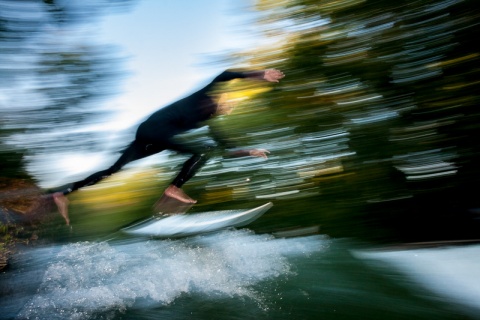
point(232, 274)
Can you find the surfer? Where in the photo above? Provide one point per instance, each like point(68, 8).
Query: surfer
point(158, 133)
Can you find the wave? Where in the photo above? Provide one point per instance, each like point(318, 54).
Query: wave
point(86, 279)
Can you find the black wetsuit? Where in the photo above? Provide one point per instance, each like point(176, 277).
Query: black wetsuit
point(157, 132)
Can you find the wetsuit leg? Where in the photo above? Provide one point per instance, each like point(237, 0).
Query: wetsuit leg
point(135, 151)
point(189, 169)
point(192, 165)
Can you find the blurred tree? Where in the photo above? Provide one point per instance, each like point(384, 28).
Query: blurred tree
point(50, 75)
point(386, 91)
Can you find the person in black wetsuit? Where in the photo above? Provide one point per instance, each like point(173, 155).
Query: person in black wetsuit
point(158, 133)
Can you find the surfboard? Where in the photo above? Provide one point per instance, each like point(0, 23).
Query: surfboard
point(180, 225)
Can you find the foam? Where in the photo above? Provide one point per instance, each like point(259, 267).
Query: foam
point(88, 278)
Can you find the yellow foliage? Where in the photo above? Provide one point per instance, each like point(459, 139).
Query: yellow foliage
point(127, 188)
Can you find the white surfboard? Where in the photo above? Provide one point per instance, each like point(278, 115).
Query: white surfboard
point(181, 225)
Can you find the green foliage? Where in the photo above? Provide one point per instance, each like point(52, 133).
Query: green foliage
point(373, 127)
point(387, 91)
point(49, 80)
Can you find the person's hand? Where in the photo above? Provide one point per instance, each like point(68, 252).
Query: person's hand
point(261, 153)
point(273, 75)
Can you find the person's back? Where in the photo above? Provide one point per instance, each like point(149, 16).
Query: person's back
point(182, 115)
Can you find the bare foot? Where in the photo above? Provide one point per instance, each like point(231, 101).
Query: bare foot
point(62, 204)
point(168, 206)
point(177, 193)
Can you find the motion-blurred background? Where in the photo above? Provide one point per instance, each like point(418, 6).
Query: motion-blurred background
point(372, 133)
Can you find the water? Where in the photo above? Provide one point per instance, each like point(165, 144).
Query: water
point(452, 272)
point(233, 274)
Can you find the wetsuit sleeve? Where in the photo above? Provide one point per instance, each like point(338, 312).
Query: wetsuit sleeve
point(231, 75)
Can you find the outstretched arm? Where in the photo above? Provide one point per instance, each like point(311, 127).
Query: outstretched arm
point(271, 75)
point(219, 136)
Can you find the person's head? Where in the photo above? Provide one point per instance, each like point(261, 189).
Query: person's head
point(225, 106)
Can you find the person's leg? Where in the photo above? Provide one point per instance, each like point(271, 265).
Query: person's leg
point(134, 151)
point(189, 169)
point(62, 205)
